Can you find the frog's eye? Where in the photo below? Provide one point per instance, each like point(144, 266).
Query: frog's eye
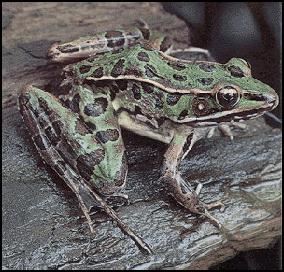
point(227, 97)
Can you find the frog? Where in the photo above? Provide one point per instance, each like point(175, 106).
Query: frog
point(129, 80)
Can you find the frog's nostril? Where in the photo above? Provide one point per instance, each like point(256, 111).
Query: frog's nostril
point(269, 98)
point(272, 99)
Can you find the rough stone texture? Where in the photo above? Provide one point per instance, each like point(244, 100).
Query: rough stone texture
point(43, 227)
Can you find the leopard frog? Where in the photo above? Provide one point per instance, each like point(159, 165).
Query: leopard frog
point(126, 80)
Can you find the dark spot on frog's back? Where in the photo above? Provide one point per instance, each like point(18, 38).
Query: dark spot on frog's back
point(107, 135)
point(143, 56)
point(135, 71)
point(92, 127)
point(177, 66)
point(96, 108)
point(207, 67)
point(114, 38)
point(44, 105)
point(114, 89)
point(84, 69)
point(206, 80)
point(147, 87)
point(150, 71)
point(117, 69)
point(74, 105)
point(82, 128)
point(116, 51)
point(122, 84)
point(179, 77)
point(172, 99)
point(98, 73)
point(136, 91)
point(159, 100)
point(87, 162)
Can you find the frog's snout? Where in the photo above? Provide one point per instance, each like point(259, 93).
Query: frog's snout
point(271, 99)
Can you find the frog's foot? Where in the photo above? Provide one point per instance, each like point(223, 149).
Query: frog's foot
point(213, 205)
point(141, 24)
point(117, 200)
point(114, 201)
point(226, 129)
point(191, 53)
point(184, 194)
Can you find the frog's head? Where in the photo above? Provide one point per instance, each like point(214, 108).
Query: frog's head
point(236, 96)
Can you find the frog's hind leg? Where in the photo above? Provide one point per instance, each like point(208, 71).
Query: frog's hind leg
point(191, 54)
point(94, 107)
point(46, 129)
point(94, 150)
point(99, 43)
point(75, 153)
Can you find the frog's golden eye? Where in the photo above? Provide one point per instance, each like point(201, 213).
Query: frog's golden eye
point(227, 97)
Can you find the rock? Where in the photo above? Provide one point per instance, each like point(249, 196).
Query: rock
point(6, 19)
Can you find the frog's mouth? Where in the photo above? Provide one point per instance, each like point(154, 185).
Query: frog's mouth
point(229, 115)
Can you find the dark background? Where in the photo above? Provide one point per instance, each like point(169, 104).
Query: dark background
point(251, 31)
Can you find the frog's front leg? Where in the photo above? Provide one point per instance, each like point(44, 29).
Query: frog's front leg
point(182, 142)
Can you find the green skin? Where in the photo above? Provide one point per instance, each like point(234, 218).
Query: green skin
point(143, 90)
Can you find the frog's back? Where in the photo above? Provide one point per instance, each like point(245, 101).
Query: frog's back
point(143, 63)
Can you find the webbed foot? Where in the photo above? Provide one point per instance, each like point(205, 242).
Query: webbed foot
point(185, 195)
point(117, 200)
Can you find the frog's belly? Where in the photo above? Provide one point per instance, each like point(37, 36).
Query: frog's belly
point(163, 134)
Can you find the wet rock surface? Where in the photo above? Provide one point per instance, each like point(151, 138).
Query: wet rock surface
point(43, 226)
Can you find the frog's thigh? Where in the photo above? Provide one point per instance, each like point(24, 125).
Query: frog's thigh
point(63, 138)
point(96, 109)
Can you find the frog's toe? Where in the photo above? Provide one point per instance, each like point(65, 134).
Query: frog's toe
point(117, 200)
point(226, 130)
point(216, 204)
point(183, 193)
